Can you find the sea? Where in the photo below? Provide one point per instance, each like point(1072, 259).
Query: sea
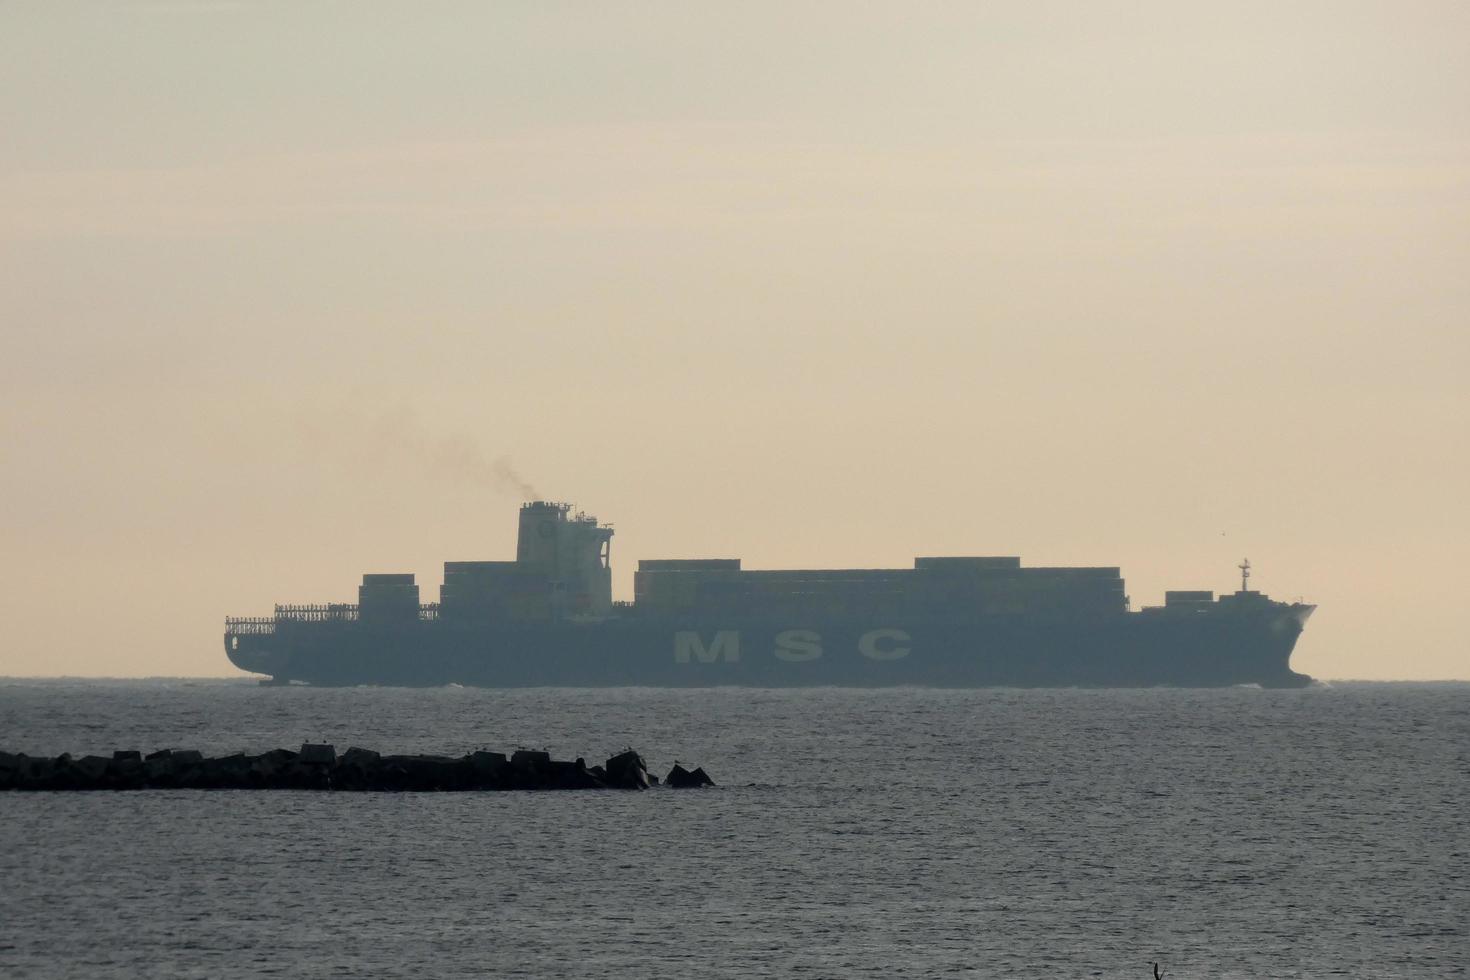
point(1322, 832)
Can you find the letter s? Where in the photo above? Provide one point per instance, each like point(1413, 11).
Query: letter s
point(796, 646)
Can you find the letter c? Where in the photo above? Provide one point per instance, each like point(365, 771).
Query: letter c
point(868, 645)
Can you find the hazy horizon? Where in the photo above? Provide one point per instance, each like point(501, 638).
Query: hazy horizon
point(293, 293)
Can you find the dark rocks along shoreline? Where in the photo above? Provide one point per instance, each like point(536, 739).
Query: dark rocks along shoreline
point(320, 767)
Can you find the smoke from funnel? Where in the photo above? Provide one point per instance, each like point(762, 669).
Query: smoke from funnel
point(463, 459)
point(397, 437)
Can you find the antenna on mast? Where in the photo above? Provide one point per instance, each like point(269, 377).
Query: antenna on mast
point(1245, 574)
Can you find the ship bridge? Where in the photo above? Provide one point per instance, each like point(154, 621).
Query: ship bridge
point(562, 570)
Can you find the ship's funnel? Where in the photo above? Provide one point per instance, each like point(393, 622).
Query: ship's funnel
point(536, 541)
point(572, 551)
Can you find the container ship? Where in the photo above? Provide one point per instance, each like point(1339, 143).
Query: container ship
point(548, 619)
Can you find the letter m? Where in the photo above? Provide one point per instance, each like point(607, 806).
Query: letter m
point(689, 647)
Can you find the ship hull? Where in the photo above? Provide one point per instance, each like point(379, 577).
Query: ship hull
point(1137, 649)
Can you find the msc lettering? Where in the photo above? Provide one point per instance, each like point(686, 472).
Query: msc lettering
point(790, 646)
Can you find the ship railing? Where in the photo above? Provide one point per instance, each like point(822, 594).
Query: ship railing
point(249, 625)
point(335, 612)
point(318, 613)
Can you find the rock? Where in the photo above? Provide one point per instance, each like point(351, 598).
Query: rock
point(158, 768)
point(491, 769)
point(41, 771)
point(488, 761)
point(13, 769)
point(193, 771)
point(681, 778)
point(127, 772)
point(424, 772)
point(626, 770)
point(66, 775)
point(361, 758)
point(528, 759)
point(318, 755)
point(228, 772)
point(570, 775)
point(93, 767)
point(269, 769)
point(358, 769)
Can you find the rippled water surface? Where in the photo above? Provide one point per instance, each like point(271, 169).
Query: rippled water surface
point(1236, 833)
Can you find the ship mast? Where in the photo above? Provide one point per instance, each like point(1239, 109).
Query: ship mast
point(1245, 574)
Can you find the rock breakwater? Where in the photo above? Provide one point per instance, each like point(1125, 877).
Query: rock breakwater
point(321, 767)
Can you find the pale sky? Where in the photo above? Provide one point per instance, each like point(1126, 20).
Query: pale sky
point(1147, 284)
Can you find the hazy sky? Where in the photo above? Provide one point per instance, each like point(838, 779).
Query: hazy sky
point(1152, 284)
